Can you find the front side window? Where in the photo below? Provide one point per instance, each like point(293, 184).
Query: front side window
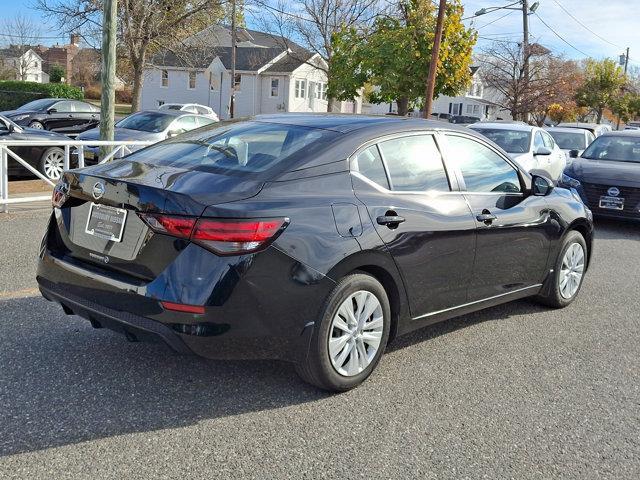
point(65, 107)
point(482, 168)
point(369, 163)
point(538, 141)
point(192, 80)
point(414, 164)
point(165, 78)
point(275, 87)
point(548, 140)
point(237, 82)
point(184, 124)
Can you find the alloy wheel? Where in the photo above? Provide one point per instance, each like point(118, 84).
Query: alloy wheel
point(36, 125)
point(355, 333)
point(571, 271)
point(53, 164)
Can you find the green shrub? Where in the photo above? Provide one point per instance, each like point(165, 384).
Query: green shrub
point(14, 93)
point(56, 74)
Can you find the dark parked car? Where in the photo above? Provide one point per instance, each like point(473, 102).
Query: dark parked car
point(314, 239)
point(57, 115)
point(48, 160)
point(463, 119)
point(607, 175)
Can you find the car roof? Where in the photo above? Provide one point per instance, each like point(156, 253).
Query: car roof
point(345, 123)
point(523, 127)
point(567, 130)
point(582, 125)
point(622, 133)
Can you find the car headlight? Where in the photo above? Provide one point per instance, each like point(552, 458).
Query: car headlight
point(17, 118)
point(568, 181)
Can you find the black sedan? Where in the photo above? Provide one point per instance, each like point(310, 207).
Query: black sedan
point(314, 239)
point(47, 160)
point(607, 175)
point(57, 115)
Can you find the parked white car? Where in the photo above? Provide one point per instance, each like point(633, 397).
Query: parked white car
point(572, 141)
point(191, 108)
point(596, 128)
point(531, 147)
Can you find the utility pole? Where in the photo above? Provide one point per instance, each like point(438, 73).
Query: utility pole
point(626, 67)
point(433, 66)
point(525, 49)
point(108, 74)
point(233, 59)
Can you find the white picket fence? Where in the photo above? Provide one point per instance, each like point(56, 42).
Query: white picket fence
point(7, 154)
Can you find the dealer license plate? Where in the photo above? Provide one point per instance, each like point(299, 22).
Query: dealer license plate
point(106, 222)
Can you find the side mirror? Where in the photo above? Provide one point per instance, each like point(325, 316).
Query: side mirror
point(174, 133)
point(52, 110)
point(574, 153)
point(542, 151)
point(541, 186)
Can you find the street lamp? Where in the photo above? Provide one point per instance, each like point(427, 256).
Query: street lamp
point(484, 11)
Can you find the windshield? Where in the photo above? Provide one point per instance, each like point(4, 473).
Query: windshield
point(242, 147)
point(36, 105)
point(569, 140)
point(152, 122)
point(614, 148)
point(511, 141)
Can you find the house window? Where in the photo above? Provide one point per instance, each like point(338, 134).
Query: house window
point(237, 82)
point(322, 91)
point(476, 109)
point(275, 87)
point(165, 78)
point(469, 108)
point(301, 88)
point(192, 80)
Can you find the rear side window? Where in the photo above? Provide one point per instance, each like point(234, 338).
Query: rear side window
point(369, 163)
point(414, 164)
point(483, 169)
point(244, 147)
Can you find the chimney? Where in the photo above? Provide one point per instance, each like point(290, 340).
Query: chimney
point(75, 39)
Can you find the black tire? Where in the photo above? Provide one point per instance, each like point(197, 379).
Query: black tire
point(42, 165)
point(551, 295)
point(36, 124)
point(317, 369)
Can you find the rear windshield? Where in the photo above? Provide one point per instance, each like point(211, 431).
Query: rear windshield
point(511, 141)
point(614, 148)
point(570, 140)
point(152, 122)
point(245, 147)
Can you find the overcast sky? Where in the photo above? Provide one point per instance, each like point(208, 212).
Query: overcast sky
point(616, 21)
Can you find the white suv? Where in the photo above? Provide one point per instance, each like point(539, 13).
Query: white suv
point(532, 147)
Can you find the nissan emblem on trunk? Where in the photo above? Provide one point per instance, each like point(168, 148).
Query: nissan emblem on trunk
point(98, 190)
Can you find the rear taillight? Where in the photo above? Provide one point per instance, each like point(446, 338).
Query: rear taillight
point(224, 236)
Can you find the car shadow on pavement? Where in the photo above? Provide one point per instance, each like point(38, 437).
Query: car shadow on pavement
point(62, 382)
point(611, 229)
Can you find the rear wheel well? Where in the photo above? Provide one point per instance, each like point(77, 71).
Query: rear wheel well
point(390, 288)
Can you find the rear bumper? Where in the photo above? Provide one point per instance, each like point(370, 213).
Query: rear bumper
point(248, 325)
point(121, 322)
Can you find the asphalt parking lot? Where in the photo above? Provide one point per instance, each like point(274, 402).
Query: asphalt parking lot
point(517, 391)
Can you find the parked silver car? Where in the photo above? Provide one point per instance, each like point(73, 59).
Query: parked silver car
point(153, 125)
point(596, 128)
point(532, 147)
point(191, 108)
point(572, 141)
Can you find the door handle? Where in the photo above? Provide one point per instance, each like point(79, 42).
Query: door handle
point(486, 217)
point(390, 221)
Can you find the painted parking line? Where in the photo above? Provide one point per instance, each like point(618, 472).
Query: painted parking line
point(26, 292)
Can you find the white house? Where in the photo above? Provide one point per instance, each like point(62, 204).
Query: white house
point(273, 75)
point(475, 102)
point(22, 64)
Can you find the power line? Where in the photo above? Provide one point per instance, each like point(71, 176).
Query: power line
point(561, 37)
point(584, 26)
point(496, 20)
point(491, 10)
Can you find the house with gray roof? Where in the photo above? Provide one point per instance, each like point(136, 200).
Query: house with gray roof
point(273, 74)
